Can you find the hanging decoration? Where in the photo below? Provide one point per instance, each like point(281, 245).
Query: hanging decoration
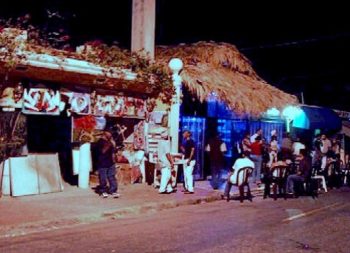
point(41, 101)
point(12, 97)
point(118, 106)
point(139, 136)
point(76, 102)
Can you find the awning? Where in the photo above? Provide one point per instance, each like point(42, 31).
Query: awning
point(345, 128)
point(314, 117)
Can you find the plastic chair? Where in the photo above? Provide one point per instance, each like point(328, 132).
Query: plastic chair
point(241, 181)
point(319, 177)
point(278, 180)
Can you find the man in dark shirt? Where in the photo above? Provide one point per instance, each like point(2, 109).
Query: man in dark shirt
point(303, 172)
point(216, 149)
point(105, 165)
point(188, 149)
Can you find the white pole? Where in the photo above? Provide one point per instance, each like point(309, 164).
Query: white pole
point(175, 66)
point(84, 166)
point(288, 121)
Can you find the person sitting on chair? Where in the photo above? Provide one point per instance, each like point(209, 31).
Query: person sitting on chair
point(303, 172)
point(281, 162)
point(240, 163)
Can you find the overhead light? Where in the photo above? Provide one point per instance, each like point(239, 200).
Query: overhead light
point(291, 112)
point(273, 112)
point(175, 64)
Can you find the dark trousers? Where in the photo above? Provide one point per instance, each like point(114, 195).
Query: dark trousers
point(291, 180)
point(228, 188)
point(241, 190)
point(215, 176)
point(267, 180)
point(149, 170)
point(108, 174)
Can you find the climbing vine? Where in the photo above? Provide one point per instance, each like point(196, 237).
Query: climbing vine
point(58, 44)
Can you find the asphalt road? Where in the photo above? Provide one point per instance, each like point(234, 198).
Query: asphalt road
point(293, 225)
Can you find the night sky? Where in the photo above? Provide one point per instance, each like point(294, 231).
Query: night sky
point(296, 47)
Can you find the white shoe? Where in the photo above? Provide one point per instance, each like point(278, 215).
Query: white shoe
point(115, 195)
point(104, 195)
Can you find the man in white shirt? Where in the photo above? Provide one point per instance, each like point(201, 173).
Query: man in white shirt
point(240, 163)
point(166, 164)
point(258, 132)
point(325, 146)
point(297, 146)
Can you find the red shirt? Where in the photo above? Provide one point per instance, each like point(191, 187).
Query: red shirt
point(256, 148)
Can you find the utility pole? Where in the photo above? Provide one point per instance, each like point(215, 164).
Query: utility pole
point(302, 98)
point(143, 26)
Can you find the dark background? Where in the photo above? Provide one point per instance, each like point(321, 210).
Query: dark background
point(294, 46)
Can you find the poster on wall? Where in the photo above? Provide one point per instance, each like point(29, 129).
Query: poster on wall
point(118, 106)
point(77, 102)
point(41, 101)
point(11, 98)
point(87, 128)
point(109, 105)
point(139, 136)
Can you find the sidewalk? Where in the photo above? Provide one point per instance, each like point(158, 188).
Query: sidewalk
point(30, 214)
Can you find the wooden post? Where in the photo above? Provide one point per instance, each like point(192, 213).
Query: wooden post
point(143, 26)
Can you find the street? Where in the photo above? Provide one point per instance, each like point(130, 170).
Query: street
point(292, 225)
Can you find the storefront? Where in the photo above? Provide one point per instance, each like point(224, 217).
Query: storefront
point(51, 105)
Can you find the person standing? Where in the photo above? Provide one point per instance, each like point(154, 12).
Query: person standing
point(188, 149)
point(336, 144)
point(246, 144)
point(273, 150)
point(286, 146)
point(256, 156)
point(166, 165)
point(106, 165)
point(297, 146)
point(317, 155)
point(216, 148)
point(325, 147)
point(258, 132)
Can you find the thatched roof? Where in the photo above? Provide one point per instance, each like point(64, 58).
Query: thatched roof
point(221, 69)
point(208, 68)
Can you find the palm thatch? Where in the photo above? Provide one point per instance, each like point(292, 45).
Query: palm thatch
point(221, 69)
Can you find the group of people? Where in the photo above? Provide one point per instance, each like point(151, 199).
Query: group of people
point(106, 150)
point(166, 165)
point(254, 153)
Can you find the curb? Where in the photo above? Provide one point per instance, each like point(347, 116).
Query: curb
point(50, 225)
point(151, 207)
